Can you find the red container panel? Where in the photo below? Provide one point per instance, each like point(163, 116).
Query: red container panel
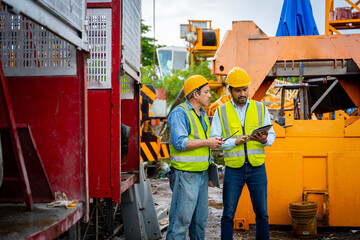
point(99, 144)
point(130, 116)
point(55, 110)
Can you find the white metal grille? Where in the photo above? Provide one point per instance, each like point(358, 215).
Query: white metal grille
point(65, 18)
point(132, 37)
point(99, 35)
point(127, 87)
point(72, 10)
point(28, 49)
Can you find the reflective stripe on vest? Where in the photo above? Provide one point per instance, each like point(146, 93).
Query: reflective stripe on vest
point(254, 150)
point(242, 153)
point(197, 159)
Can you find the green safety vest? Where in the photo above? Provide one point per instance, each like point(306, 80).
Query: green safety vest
point(197, 159)
point(230, 122)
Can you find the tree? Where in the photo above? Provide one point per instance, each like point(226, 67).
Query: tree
point(147, 46)
point(175, 81)
point(147, 76)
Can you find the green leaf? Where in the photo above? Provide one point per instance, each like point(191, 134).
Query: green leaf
point(147, 46)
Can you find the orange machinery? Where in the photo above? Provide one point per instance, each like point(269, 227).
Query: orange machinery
point(203, 40)
point(315, 160)
point(342, 18)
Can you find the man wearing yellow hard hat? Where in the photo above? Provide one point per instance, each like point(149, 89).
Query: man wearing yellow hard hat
point(190, 145)
point(244, 156)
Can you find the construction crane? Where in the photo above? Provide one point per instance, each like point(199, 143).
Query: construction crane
point(203, 41)
point(341, 18)
point(202, 38)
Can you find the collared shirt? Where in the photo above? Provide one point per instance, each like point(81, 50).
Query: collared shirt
point(216, 129)
point(179, 124)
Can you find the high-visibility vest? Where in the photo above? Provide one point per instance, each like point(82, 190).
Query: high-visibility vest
point(254, 118)
point(196, 159)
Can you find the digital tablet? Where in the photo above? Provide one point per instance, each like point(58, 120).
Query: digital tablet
point(259, 130)
point(214, 174)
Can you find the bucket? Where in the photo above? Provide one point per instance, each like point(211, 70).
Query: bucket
point(303, 215)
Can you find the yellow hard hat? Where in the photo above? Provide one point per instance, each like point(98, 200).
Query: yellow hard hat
point(238, 77)
point(193, 83)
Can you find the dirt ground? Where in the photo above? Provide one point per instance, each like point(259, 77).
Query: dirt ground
point(162, 198)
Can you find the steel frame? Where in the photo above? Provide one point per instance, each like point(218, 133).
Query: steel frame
point(106, 114)
point(246, 45)
point(332, 26)
point(46, 14)
point(4, 93)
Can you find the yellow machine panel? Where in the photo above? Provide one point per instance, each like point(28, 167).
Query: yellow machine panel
point(316, 157)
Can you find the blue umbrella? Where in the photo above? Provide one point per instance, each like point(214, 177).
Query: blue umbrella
point(296, 19)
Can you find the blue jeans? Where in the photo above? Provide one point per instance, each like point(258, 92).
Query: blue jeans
point(189, 205)
point(234, 181)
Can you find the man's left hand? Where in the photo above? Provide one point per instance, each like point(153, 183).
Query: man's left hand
point(260, 137)
point(211, 184)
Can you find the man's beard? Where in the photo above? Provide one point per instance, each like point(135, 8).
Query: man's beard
point(241, 100)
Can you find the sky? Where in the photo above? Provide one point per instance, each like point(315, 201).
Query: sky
point(169, 14)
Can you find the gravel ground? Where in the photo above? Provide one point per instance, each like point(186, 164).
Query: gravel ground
point(162, 198)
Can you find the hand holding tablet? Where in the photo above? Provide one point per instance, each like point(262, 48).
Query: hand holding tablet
point(258, 130)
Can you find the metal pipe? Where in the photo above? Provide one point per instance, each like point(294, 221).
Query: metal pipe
point(323, 96)
point(178, 99)
point(154, 43)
